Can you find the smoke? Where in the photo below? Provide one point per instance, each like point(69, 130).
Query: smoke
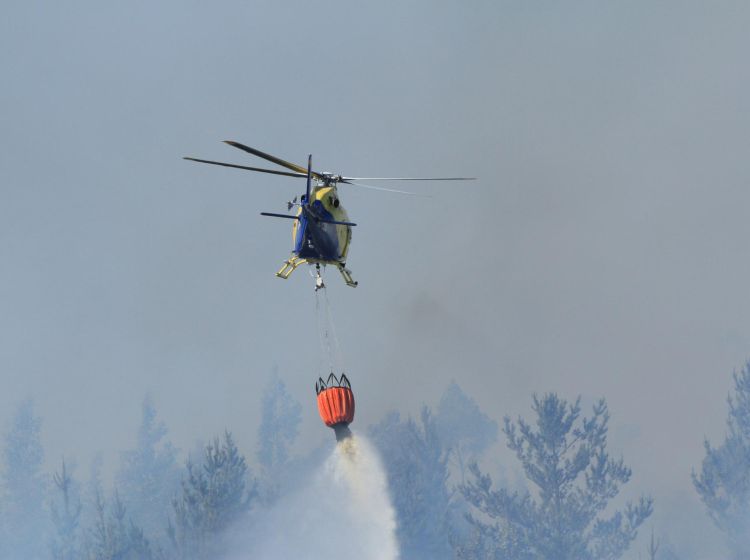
point(342, 512)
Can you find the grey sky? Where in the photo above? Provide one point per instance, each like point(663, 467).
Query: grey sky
point(603, 251)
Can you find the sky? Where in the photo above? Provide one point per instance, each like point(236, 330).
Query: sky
point(602, 252)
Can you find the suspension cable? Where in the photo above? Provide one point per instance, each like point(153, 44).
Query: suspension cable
point(338, 355)
point(330, 350)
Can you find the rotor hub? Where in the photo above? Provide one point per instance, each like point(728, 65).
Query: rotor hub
point(329, 179)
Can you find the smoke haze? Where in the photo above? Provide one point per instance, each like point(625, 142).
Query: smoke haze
point(603, 250)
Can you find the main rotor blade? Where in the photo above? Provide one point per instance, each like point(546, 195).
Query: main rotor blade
point(346, 179)
point(324, 221)
point(309, 180)
point(272, 171)
point(274, 215)
point(269, 157)
point(348, 182)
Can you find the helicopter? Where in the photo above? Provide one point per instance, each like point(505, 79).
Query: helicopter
point(322, 231)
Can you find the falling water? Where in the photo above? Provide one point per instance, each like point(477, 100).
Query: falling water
point(344, 512)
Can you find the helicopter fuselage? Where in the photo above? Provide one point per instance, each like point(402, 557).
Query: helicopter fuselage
point(319, 241)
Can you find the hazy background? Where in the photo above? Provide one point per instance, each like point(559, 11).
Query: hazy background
point(603, 251)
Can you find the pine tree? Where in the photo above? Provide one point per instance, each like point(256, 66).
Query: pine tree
point(149, 476)
point(115, 536)
point(24, 488)
point(214, 496)
point(653, 547)
point(66, 513)
point(279, 426)
point(724, 481)
point(416, 462)
point(464, 429)
point(574, 480)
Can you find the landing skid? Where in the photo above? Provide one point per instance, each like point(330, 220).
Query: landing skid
point(347, 275)
point(291, 264)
